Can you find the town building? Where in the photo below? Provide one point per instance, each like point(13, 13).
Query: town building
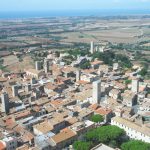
point(133, 130)
point(97, 91)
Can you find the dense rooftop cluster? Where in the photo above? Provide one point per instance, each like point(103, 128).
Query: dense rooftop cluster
point(55, 104)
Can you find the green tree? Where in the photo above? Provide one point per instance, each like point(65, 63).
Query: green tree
point(85, 65)
point(143, 72)
point(97, 118)
point(128, 81)
point(105, 134)
point(123, 61)
point(92, 136)
point(135, 145)
point(108, 133)
point(80, 145)
point(113, 144)
point(106, 57)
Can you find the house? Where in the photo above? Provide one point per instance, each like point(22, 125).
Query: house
point(114, 93)
point(89, 77)
point(63, 139)
point(129, 98)
point(42, 128)
point(42, 141)
point(57, 122)
point(85, 114)
point(145, 105)
point(133, 130)
point(95, 64)
point(50, 87)
point(104, 68)
point(68, 71)
point(82, 127)
point(34, 73)
point(105, 112)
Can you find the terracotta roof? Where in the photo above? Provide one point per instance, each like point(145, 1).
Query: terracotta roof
point(94, 106)
point(103, 111)
point(25, 135)
point(72, 120)
point(56, 103)
point(68, 69)
point(43, 127)
point(42, 101)
point(119, 85)
point(2, 146)
point(22, 114)
point(8, 120)
point(89, 70)
point(82, 82)
point(57, 120)
point(50, 86)
point(3, 79)
point(63, 136)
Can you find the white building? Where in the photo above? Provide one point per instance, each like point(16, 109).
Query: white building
point(133, 130)
point(89, 77)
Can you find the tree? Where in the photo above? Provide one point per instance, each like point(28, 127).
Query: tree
point(108, 133)
point(80, 145)
point(123, 61)
point(85, 65)
point(135, 145)
point(106, 57)
point(97, 118)
point(92, 136)
point(128, 81)
point(105, 134)
point(143, 72)
point(113, 144)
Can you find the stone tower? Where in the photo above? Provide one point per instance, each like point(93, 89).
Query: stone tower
point(5, 103)
point(97, 91)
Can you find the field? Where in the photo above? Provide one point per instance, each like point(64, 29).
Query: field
point(29, 32)
point(112, 35)
point(61, 33)
point(14, 65)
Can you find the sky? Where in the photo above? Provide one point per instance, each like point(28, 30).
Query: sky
point(47, 5)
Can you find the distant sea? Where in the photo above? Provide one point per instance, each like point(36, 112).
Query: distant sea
point(71, 13)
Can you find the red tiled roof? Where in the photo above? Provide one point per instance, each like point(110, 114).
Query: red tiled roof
point(2, 146)
point(103, 111)
point(94, 106)
point(82, 82)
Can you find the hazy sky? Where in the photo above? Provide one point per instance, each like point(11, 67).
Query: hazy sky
point(40, 5)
